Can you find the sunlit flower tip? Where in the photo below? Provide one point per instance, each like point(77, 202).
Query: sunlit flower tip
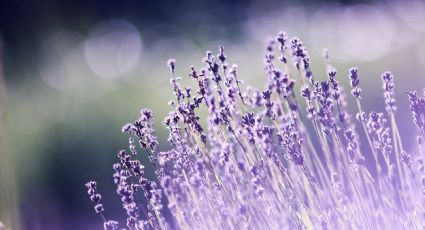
point(91, 185)
point(221, 55)
point(110, 225)
point(98, 208)
point(305, 92)
point(332, 72)
point(95, 198)
point(127, 128)
point(406, 159)
point(282, 37)
point(171, 63)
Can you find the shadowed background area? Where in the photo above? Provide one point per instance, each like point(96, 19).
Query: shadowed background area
point(73, 72)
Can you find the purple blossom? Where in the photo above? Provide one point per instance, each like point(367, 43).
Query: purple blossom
point(171, 64)
point(417, 107)
point(257, 160)
point(354, 81)
point(388, 86)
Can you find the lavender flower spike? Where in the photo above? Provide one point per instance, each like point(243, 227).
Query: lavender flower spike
point(263, 162)
point(388, 86)
point(354, 81)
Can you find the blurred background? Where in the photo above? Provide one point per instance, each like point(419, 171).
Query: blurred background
point(73, 72)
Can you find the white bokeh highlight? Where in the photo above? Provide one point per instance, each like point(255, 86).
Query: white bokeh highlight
point(113, 48)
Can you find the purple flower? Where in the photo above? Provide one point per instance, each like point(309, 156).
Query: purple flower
point(110, 225)
point(94, 196)
point(255, 159)
point(406, 159)
point(98, 208)
point(417, 107)
point(388, 86)
point(172, 64)
point(354, 81)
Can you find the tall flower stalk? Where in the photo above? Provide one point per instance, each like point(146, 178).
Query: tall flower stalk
point(270, 158)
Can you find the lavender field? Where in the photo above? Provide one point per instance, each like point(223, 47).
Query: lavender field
point(243, 115)
point(256, 164)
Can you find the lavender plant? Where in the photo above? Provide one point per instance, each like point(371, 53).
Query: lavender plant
point(278, 158)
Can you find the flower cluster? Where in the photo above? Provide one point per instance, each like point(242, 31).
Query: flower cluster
point(258, 160)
